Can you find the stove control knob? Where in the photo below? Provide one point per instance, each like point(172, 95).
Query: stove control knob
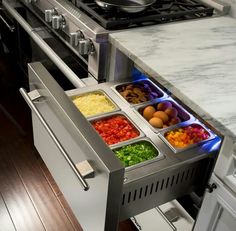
point(75, 37)
point(58, 22)
point(49, 13)
point(86, 47)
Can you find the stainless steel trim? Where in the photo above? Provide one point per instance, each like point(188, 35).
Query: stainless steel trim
point(11, 28)
point(28, 100)
point(72, 77)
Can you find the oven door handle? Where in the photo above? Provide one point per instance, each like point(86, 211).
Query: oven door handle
point(34, 109)
point(11, 28)
point(72, 77)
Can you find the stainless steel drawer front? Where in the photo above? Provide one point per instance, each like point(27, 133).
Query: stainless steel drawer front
point(93, 208)
point(34, 109)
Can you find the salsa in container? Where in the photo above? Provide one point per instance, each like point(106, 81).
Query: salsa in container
point(136, 153)
point(183, 137)
point(115, 129)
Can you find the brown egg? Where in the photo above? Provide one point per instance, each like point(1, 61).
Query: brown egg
point(175, 120)
point(148, 112)
point(171, 112)
point(162, 115)
point(163, 105)
point(156, 122)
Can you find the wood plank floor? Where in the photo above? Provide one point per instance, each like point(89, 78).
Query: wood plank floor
point(29, 197)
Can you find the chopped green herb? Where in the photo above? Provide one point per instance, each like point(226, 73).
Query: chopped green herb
point(136, 153)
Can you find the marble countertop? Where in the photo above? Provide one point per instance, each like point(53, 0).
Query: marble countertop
point(195, 60)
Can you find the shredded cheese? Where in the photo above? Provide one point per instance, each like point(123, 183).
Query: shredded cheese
point(93, 103)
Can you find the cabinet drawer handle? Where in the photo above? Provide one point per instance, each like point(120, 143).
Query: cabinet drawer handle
point(30, 103)
point(11, 28)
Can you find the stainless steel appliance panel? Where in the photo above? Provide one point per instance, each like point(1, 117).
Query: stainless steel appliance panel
point(37, 43)
point(93, 208)
point(79, 32)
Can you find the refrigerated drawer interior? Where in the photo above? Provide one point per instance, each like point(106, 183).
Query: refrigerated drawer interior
point(177, 169)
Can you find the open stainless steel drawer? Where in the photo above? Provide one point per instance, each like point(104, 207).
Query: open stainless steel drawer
point(110, 192)
point(93, 203)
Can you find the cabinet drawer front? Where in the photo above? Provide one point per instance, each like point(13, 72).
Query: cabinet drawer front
point(94, 208)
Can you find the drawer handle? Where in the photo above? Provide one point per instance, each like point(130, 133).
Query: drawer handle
point(30, 103)
point(11, 28)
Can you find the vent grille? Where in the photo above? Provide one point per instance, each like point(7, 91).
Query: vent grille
point(169, 183)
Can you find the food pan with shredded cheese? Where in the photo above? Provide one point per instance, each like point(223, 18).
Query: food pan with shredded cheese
point(94, 103)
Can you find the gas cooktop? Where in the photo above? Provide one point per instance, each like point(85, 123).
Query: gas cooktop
point(161, 11)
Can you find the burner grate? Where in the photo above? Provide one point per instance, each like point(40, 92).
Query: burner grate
point(160, 12)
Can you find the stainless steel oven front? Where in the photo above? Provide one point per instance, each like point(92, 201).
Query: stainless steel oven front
point(68, 50)
point(84, 37)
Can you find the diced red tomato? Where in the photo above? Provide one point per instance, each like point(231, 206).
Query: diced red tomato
point(115, 129)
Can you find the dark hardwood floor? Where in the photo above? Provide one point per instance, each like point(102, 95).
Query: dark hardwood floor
point(29, 197)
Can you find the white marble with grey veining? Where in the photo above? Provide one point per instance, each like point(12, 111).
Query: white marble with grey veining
point(232, 4)
point(196, 60)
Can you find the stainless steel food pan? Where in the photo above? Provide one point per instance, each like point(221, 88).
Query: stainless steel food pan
point(100, 92)
point(183, 114)
point(152, 85)
point(196, 123)
point(145, 139)
point(109, 115)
